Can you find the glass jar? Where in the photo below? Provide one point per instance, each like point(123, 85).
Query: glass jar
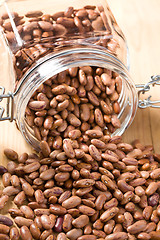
point(46, 38)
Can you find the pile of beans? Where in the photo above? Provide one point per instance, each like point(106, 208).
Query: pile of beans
point(107, 189)
point(77, 99)
point(83, 184)
point(41, 32)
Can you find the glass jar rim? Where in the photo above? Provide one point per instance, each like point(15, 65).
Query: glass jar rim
point(56, 62)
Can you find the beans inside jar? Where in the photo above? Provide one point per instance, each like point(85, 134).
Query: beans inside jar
point(102, 189)
point(40, 32)
point(82, 98)
point(75, 102)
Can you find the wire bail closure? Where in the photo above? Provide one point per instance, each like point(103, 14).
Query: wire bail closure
point(143, 88)
point(9, 105)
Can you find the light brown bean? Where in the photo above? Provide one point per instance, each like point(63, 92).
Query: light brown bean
point(14, 234)
point(109, 214)
point(81, 221)
point(25, 233)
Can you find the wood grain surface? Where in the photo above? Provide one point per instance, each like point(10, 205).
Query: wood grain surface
point(140, 22)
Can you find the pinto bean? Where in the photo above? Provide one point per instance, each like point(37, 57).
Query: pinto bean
point(74, 233)
point(155, 174)
point(137, 227)
point(112, 203)
point(14, 233)
point(67, 146)
point(10, 191)
point(108, 182)
point(6, 179)
point(94, 133)
point(100, 201)
point(73, 120)
point(57, 209)
point(27, 188)
point(48, 222)
point(3, 201)
point(117, 236)
point(25, 233)
point(74, 134)
point(11, 154)
point(45, 148)
point(95, 153)
point(47, 175)
point(109, 214)
point(81, 221)
point(4, 236)
point(6, 221)
point(20, 198)
point(124, 187)
point(27, 211)
point(37, 105)
point(21, 221)
point(35, 231)
point(31, 167)
point(4, 229)
point(71, 202)
point(86, 210)
point(151, 188)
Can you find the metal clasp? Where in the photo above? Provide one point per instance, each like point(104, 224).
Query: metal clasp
point(155, 80)
point(9, 105)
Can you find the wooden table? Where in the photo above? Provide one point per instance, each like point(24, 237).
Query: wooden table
point(140, 22)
